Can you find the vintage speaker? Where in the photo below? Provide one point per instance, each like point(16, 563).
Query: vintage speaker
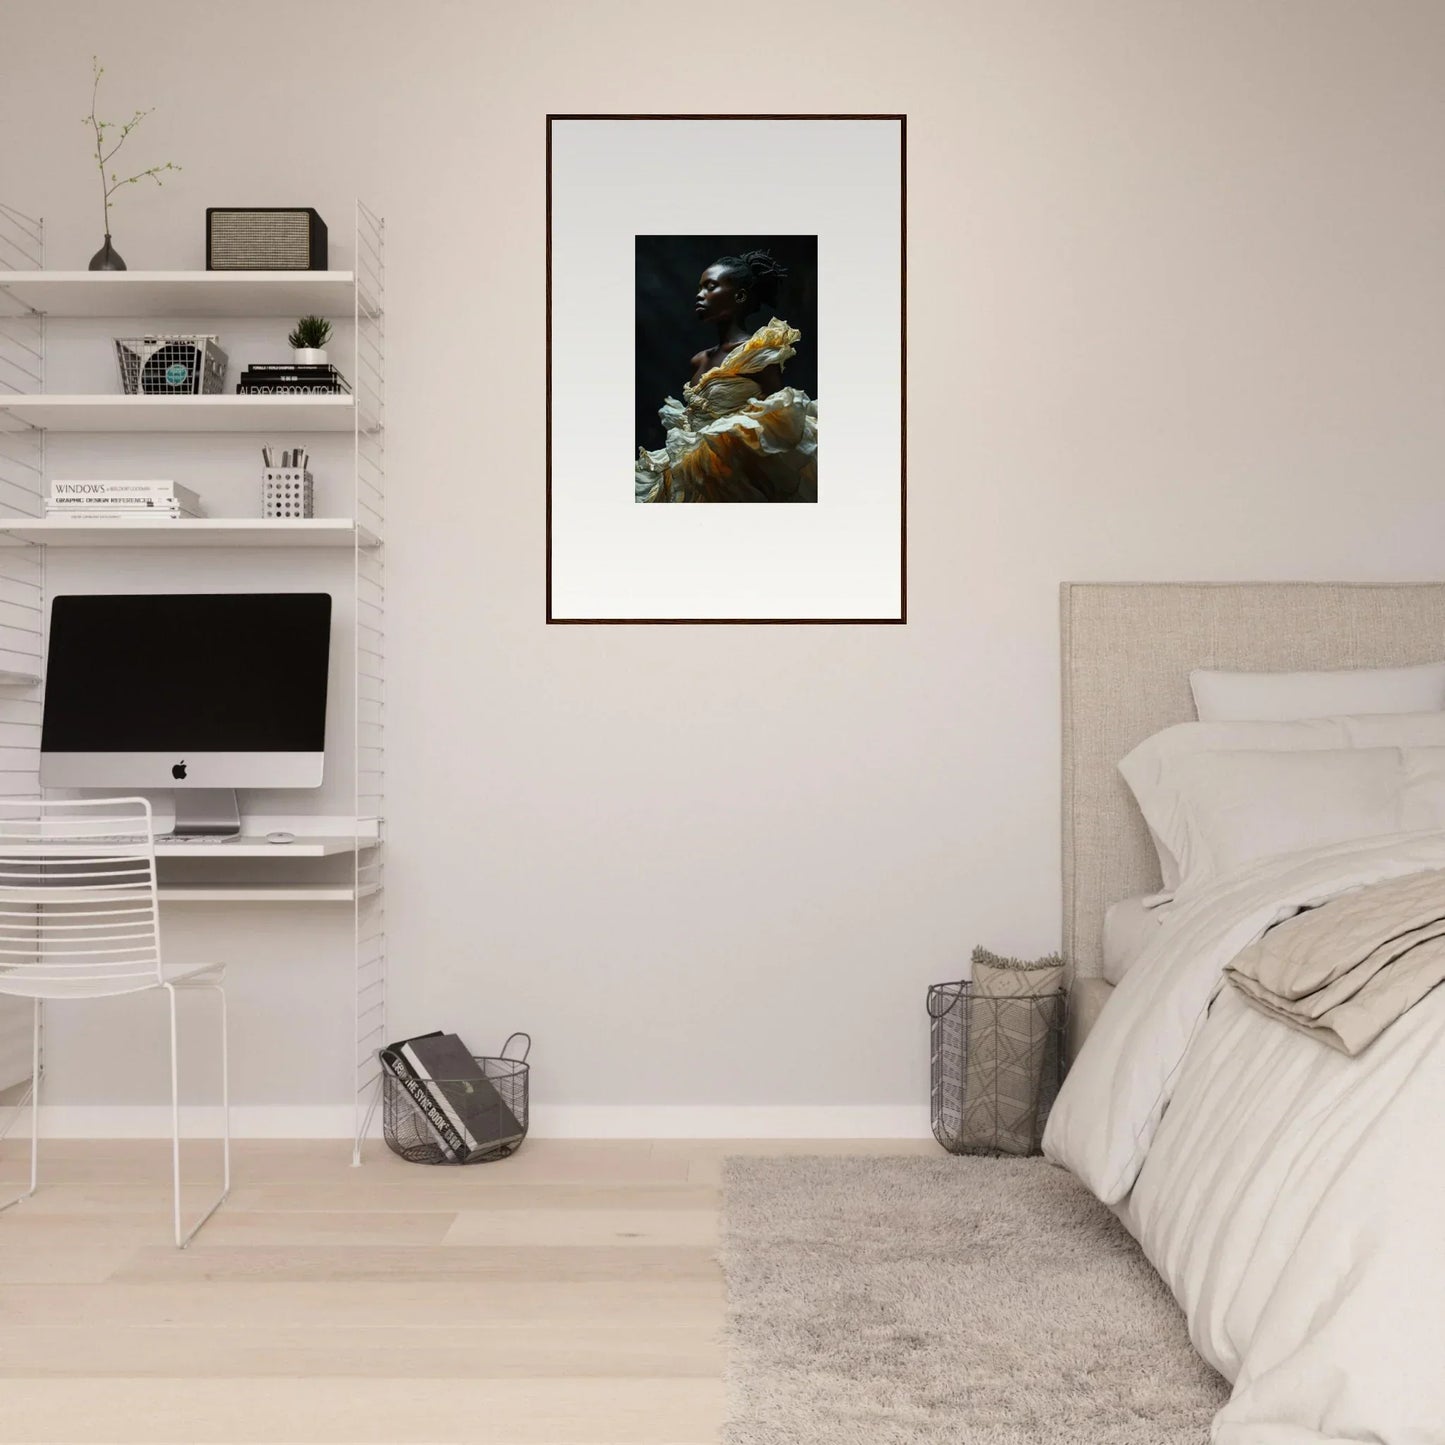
point(264, 238)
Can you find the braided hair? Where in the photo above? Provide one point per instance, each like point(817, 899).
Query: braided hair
point(757, 274)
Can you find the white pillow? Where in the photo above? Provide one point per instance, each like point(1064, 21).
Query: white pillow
point(1283, 696)
point(1130, 926)
point(1148, 770)
point(1219, 811)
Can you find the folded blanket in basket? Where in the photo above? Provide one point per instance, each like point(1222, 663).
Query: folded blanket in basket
point(1012, 1038)
point(1344, 972)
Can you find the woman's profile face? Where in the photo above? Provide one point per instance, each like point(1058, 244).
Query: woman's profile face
point(717, 298)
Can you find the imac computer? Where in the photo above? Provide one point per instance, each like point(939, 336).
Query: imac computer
point(199, 694)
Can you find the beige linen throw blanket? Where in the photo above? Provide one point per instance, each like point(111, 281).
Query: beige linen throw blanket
point(1344, 972)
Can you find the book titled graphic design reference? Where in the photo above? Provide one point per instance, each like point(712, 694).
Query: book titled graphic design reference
point(121, 498)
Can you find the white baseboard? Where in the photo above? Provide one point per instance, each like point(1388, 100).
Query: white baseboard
point(731, 1121)
point(153, 1121)
point(549, 1121)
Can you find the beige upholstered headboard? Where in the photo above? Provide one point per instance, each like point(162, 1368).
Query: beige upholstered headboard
point(1128, 648)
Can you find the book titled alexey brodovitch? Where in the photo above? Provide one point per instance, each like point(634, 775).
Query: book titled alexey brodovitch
point(463, 1108)
point(288, 379)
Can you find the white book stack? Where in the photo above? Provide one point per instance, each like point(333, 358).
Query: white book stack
point(158, 500)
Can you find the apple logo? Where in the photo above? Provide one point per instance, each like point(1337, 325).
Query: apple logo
point(179, 771)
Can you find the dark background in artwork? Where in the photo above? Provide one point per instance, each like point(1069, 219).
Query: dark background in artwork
point(668, 334)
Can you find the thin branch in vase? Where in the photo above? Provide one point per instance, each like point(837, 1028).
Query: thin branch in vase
point(111, 184)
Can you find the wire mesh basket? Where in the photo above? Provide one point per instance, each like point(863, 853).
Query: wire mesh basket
point(410, 1133)
point(997, 1064)
point(170, 365)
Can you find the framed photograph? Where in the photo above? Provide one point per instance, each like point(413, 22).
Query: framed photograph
point(726, 324)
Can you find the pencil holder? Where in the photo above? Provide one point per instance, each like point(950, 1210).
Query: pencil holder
point(286, 492)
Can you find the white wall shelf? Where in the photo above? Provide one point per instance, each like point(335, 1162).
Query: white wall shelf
point(261, 892)
point(31, 299)
point(183, 293)
point(222, 413)
point(189, 532)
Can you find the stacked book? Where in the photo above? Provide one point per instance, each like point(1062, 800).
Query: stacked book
point(90, 500)
point(290, 379)
point(466, 1114)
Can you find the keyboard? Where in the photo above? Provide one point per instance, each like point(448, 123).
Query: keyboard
point(110, 838)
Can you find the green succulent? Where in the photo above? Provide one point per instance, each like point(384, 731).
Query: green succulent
point(311, 333)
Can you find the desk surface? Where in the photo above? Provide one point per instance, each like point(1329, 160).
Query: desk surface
point(255, 846)
point(210, 849)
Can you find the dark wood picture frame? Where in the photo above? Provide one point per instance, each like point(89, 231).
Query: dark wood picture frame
point(902, 617)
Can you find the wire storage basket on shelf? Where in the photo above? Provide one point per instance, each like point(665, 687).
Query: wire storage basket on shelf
point(420, 1123)
point(997, 1064)
point(170, 365)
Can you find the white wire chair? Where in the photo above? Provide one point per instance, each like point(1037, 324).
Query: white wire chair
point(79, 918)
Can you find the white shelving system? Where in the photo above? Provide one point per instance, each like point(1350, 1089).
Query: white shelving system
point(29, 296)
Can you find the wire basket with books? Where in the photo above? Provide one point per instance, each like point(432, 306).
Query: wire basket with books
point(442, 1104)
point(170, 365)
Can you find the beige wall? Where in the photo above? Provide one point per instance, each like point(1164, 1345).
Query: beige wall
point(1178, 311)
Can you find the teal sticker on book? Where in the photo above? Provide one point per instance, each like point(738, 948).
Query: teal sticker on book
point(176, 374)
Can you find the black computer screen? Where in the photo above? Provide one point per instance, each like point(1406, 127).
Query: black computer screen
point(239, 672)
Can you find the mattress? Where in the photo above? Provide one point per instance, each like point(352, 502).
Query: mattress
point(1129, 928)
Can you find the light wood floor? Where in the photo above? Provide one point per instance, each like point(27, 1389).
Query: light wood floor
point(567, 1296)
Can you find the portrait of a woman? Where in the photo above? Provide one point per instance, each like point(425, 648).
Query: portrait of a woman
point(740, 433)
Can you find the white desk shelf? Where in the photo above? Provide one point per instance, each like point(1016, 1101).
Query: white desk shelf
point(262, 892)
point(34, 419)
point(157, 294)
point(189, 532)
point(211, 849)
point(245, 847)
point(222, 413)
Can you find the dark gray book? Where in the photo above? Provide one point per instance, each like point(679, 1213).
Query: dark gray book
point(444, 1066)
point(430, 1108)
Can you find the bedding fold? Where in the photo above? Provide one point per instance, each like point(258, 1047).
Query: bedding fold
point(1345, 971)
point(1117, 1091)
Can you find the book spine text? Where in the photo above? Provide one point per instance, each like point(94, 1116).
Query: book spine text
point(452, 1143)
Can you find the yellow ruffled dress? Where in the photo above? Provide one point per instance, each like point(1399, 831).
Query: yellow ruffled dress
point(727, 442)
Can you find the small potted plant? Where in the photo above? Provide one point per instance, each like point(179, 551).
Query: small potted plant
point(308, 340)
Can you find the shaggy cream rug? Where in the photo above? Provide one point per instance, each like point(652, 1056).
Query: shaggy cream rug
point(969, 1301)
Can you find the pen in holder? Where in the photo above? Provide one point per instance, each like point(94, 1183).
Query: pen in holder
point(287, 492)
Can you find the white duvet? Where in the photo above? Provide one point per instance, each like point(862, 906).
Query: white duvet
point(1292, 1197)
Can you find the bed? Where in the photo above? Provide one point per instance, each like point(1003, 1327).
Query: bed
point(1292, 1198)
